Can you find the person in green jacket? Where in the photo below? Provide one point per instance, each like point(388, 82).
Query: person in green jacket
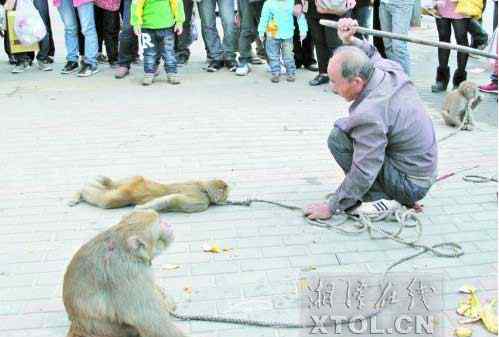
point(156, 22)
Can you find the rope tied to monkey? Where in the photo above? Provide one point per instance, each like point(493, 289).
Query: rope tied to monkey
point(406, 218)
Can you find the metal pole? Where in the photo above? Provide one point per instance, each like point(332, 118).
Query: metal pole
point(444, 45)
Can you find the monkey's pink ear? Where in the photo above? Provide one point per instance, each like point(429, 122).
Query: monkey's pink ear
point(135, 243)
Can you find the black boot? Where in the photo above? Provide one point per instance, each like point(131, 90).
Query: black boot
point(443, 76)
point(459, 76)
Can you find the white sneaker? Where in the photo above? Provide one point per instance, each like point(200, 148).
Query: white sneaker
point(377, 210)
point(243, 70)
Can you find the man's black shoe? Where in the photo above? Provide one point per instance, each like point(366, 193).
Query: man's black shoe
point(312, 67)
point(70, 67)
point(231, 65)
point(319, 79)
point(214, 66)
point(87, 70)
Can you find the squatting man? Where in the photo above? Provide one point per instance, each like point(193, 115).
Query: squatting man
point(387, 145)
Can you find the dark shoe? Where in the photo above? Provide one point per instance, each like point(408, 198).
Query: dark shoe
point(182, 60)
point(101, 58)
point(319, 79)
point(275, 78)
point(50, 60)
point(121, 72)
point(290, 78)
point(70, 68)
point(312, 67)
point(214, 66)
point(12, 60)
point(442, 79)
point(231, 65)
point(459, 76)
point(87, 70)
point(44, 65)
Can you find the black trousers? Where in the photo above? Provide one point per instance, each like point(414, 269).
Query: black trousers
point(183, 41)
point(325, 39)
point(304, 50)
point(107, 25)
point(460, 27)
point(378, 41)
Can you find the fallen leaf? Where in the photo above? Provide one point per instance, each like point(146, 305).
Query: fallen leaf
point(211, 248)
point(488, 315)
point(309, 268)
point(171, 266)
point(463, 331)
point(188, 290)
point(467, 289)
point(302, 284)
point(470, 307)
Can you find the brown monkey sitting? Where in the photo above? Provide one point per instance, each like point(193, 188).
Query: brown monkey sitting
point(109, 288)
point(192, 196)
point(459, 105)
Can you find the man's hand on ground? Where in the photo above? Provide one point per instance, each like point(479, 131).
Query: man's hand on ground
point(319, 211)
point(346, 29)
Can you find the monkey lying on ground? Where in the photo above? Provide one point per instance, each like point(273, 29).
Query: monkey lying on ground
point(192, 196)
point(460, 101)
point(109, 288)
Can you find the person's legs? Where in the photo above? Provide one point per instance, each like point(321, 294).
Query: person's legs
point(68, 16)
point(86, 14)
point(226, 9)
point(385, 20)
point(332, 41)
point(390, 183)
point(167, 50)
point(256, 11)
point(248, 32)
point(209, 30)
point(461, 36)
point(99, 27)
point(443, 72)
point(297, 45)
point(111, 29)
point(127, 41)
point(150, 43)
point(321, 48)
point(494, 22)
point(401, 20)
point(183, 41)
point(288, 57)
point(43, 9)
point(479, 37)
point(363, 17)
point(272, 46)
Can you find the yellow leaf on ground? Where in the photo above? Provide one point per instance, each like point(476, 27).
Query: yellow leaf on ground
point(171, 266)
point(467, 289)
point(211, 248)
point(463, 331)
point(489, 316)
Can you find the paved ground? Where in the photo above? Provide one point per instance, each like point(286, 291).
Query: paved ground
point(267, 140)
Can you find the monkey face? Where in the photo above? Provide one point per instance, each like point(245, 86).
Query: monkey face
point(218, 191)
point(468, 89)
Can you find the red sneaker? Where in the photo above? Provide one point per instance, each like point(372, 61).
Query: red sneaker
point(490, 88)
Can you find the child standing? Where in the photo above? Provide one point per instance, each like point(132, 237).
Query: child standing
point(156, 22)
point(277, 22)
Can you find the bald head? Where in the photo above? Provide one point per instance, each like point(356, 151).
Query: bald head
point(349, 71)
point(353, 62)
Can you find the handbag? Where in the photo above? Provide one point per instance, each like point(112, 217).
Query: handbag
point(337, 7)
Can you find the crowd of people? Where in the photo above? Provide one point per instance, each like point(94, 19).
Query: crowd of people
point(285, 33)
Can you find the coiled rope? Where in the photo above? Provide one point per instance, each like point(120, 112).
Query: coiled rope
point(406, 218)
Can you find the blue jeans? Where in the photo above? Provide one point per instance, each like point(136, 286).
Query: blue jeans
point(86, 15)
point(275, 49)
point(159, 42)
point(390, 184)
point(396, 18)
point(248, 30)
point(216, 50)
point(128, 44)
